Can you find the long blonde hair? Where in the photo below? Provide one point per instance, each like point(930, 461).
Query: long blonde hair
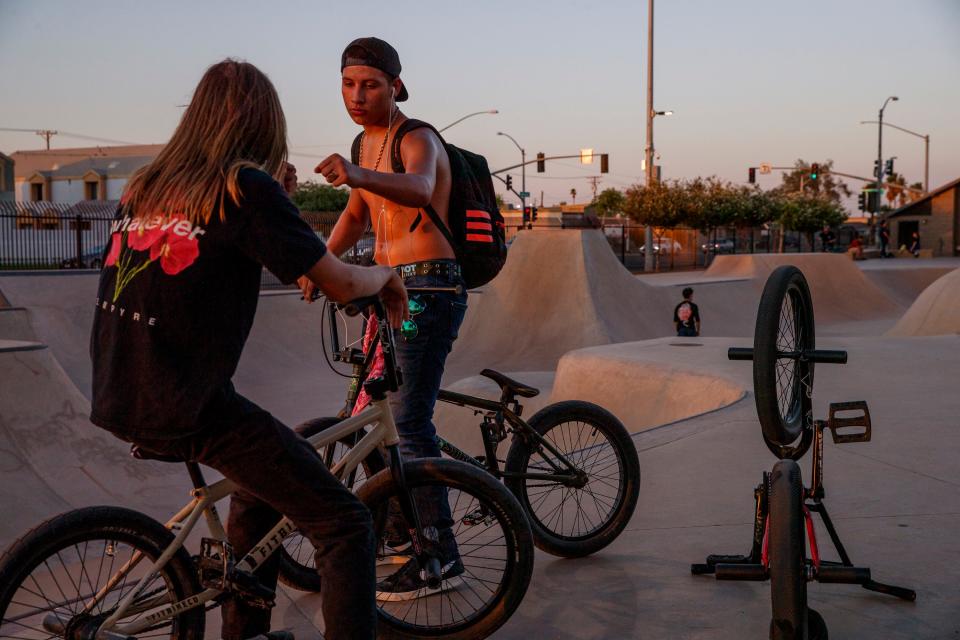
point(234, 120)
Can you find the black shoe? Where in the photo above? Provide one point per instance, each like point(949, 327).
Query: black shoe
point(274, 635)
point(409, 581)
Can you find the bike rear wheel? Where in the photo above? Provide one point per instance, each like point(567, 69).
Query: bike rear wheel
point(575, 521)
point(782, 378)
point(57, 568)
point(787, 549)
point(495, 547)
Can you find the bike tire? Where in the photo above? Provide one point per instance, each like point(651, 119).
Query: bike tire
point(787, 553)
point(507, 523)
point(784, 323)
point(298, 569)
point(546, 519)
point(34, 558)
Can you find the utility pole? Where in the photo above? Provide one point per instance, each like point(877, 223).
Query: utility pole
point(46, 134)
point(594, 181)
point(879, 163)
point(648, 232)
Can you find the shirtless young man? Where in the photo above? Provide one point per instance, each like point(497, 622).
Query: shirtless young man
point(394, 205)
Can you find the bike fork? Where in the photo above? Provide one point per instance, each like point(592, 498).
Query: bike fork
point(420, 538)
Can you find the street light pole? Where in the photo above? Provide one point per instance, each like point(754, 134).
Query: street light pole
point(469, 115)
point(880, 156)
point(523, 173)
point(926, 150)
point(648, 160)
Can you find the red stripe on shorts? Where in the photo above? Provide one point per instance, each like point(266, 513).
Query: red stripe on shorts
point(476, 237)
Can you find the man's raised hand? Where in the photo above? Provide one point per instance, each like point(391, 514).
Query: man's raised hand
point(289, 178)
point(338, 171)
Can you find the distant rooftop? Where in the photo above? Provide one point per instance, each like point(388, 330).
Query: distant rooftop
point(31, 161)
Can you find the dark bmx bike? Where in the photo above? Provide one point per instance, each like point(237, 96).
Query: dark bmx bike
point(783, 355)
point(572, 466)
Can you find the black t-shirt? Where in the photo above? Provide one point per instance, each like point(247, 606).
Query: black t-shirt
point(175, 305)
point(694, 315)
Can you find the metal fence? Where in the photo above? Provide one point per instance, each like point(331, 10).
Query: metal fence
point(50, 235)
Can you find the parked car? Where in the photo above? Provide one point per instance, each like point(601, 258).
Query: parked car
point(92, 259)
point(722, 245)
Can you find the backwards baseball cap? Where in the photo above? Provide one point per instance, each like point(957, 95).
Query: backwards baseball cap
point(374, 52)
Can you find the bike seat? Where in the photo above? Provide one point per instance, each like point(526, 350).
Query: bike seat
point(143, 454)
point(509, 384)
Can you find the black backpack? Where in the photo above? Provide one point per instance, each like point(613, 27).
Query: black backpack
point(476, 230)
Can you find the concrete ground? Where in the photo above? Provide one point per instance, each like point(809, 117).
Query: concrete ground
point(895, 500)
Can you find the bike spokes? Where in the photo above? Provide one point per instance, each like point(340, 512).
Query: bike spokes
point(582, 504)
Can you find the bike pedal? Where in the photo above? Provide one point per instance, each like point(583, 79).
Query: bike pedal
point(215, 563)
point(849, 428)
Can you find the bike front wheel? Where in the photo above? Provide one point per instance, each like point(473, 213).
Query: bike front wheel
point(575, 519)
point(298, 567)
point(494, 545)
point(73, 570)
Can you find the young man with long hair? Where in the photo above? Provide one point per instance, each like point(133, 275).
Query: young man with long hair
point(175, 305)
point(396, 205)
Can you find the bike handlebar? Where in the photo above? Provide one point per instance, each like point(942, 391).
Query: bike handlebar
point(824, 356)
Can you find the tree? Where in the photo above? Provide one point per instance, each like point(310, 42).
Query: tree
point(312, 196)
point(826, 184)
point(500, 203)
point(808, 214)
point(609, 202)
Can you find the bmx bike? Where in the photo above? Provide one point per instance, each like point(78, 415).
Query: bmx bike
point(783, 354)
point(109, 573)
point(572, 465)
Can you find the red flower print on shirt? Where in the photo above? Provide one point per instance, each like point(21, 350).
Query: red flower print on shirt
point(141, 239)
point(116, 243)
point(176, 253)
point(171, 240)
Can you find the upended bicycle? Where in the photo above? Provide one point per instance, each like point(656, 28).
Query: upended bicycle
point(572, 466)
point(784, 353)
point(111, 573)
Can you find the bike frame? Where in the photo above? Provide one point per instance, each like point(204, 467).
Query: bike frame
point(384, 432)
point(499, 411)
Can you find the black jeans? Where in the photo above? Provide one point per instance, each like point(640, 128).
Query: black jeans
point(422, 361)
point(278, 472)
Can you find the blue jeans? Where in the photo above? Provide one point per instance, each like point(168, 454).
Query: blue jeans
point(421, 362)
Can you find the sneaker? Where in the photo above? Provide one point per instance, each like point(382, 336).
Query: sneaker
point(409, 581)
point(274, 635)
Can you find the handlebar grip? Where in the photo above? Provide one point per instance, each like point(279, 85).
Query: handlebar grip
point(740, 353)
point(827, 356)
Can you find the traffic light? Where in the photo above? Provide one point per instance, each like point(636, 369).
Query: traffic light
point(604, 163)
point(873, 199)
point(862, 201)
point(533, 213)
point(541, 162)
point(509, 182)
point(888, 169)
point(876, 168)
point(752, 175)
point(814, 171)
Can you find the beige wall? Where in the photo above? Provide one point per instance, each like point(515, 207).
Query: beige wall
point(937, 231)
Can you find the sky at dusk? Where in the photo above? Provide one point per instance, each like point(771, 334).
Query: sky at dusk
point(749, 81)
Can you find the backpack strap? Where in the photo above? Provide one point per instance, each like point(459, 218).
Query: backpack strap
point(397, 165)
point(355, 149)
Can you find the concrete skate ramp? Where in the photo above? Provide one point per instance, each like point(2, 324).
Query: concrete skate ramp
point(60, 308)
point(15, 324)
point(559, 290)
point(51, 457)
point(936, 312)
point(839, 288)
point(904, 285)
